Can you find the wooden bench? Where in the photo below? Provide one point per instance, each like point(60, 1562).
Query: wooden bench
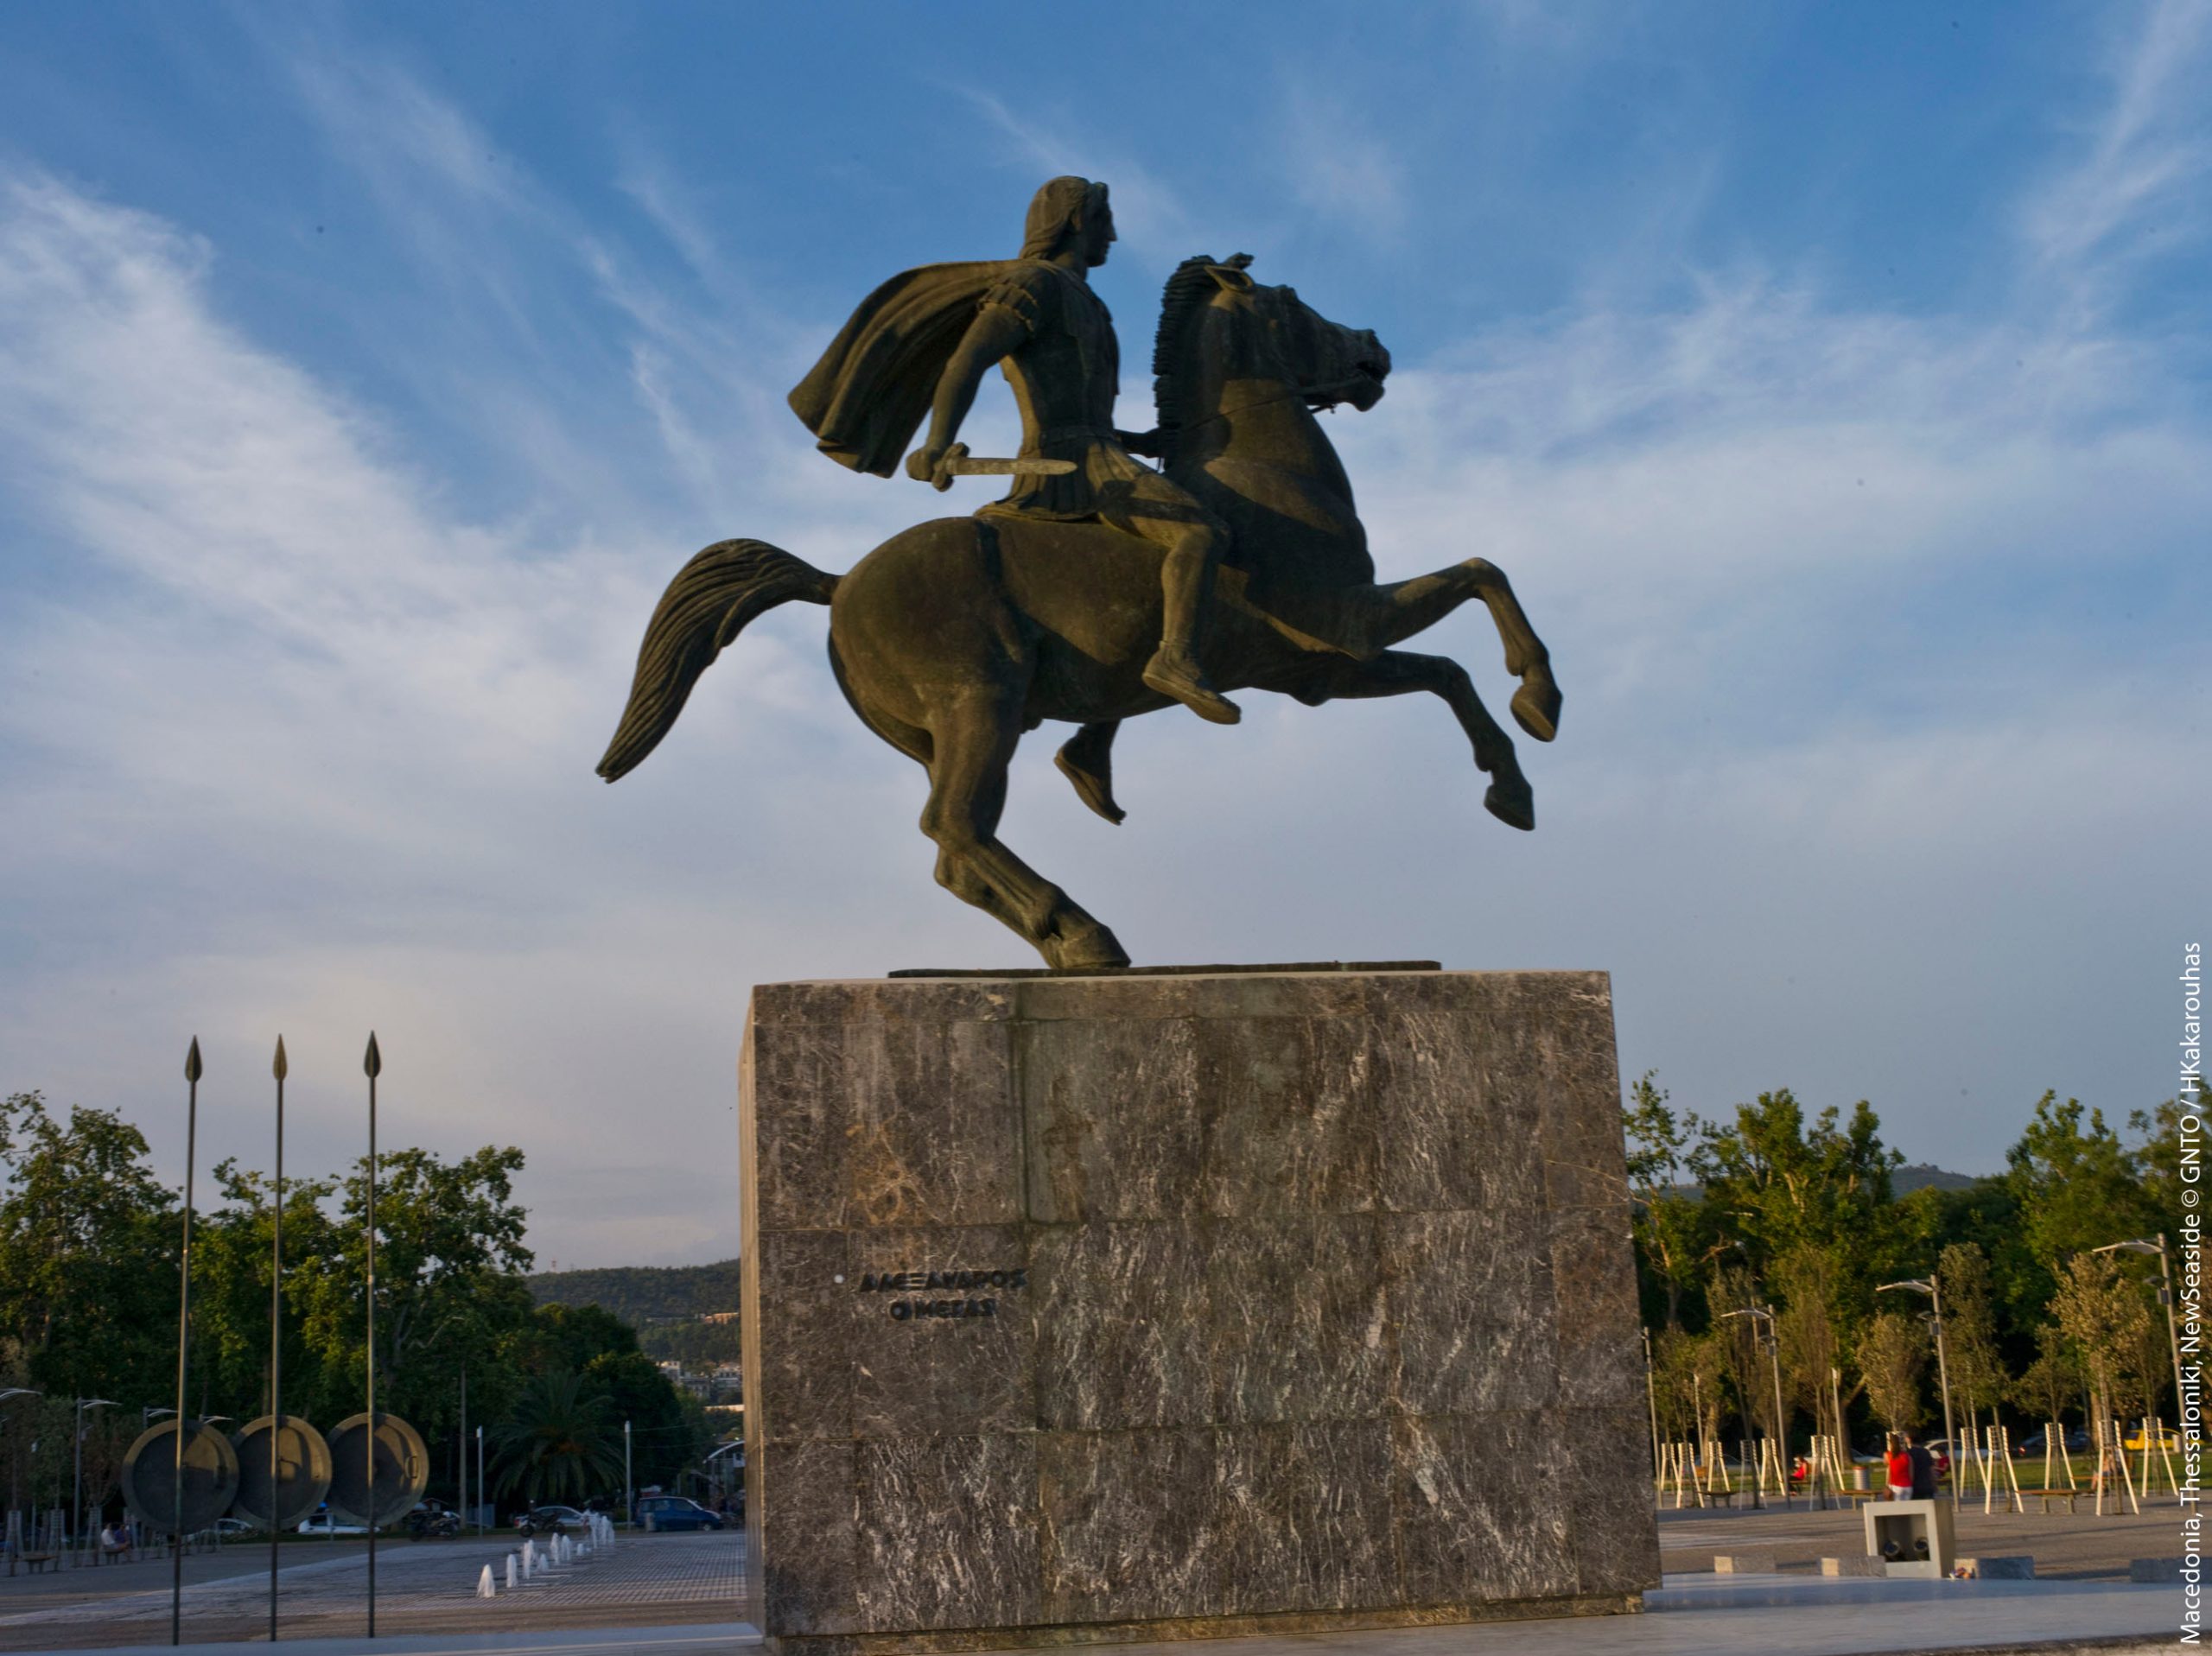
point(2069, 1496)
point(39, 1561)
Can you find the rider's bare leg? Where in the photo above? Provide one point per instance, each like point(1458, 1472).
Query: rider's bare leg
point(1406, 607)
point(1398, 672)
point(1182, 530)
point(1086, 759)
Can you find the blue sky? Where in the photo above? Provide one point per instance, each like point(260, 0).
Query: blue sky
point(1832, 381)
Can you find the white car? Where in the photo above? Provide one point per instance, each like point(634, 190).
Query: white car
point(329, 1523)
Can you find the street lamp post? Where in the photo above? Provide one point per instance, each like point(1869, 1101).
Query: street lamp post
point(77, 1484)
point(2158, 1245)
point(1932, 1287)
point(1765, 1314)
point(1651, 1401)
point(629, 1493)
point(8, 1394)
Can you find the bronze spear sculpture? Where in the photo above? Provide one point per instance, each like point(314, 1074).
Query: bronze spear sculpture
point(373, 1066)
point(183, 1342)
point(275, 1330)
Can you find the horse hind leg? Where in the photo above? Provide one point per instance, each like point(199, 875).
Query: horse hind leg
point(1086, 759)
point(973, 743)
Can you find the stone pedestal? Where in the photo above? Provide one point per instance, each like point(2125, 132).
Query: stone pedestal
point(1144, 1306)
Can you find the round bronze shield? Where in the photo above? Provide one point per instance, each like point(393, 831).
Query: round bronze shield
point(300, 1479)
point(149, 1480)
point(403, 1468)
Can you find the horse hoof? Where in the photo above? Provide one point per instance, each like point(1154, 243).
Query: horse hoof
point(1535, 709)
point(1090, 948)
point(1511, 803)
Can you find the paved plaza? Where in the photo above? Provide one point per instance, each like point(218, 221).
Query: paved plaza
point(422, 1587)
point(682, 1595)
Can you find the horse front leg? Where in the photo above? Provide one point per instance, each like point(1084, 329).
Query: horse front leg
point(1402, 608)
point(1398, 672)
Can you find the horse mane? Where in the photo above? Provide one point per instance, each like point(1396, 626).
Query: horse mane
point(1188, 292)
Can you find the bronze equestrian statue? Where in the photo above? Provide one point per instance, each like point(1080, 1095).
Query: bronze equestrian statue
point(1098, 589)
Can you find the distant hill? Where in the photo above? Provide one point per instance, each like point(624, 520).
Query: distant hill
point(1921, 1176)
point(643, 1295)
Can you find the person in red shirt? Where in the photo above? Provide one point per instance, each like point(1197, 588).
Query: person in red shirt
point(1900, 1465)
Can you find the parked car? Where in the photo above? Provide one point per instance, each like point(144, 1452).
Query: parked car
point(2076, 1441)
point(230, 1529)
point(657, 1513)
point(327, 1523)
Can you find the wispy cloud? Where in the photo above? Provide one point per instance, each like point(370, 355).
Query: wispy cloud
point(1149, 212)
point(2138, 187)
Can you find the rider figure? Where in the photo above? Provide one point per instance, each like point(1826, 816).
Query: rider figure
point(1041, 322)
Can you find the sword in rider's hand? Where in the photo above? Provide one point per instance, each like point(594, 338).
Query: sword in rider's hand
point(957, 462)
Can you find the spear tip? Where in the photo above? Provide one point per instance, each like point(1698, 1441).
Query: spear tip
point(281, 1066)
point(192, 1061)
point(372, 1060)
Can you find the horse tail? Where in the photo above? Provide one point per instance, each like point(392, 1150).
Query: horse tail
point(712, 600)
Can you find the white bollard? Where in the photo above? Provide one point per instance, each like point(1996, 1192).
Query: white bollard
point(511, 1572)
point(484, 1588)
point(529, 1559)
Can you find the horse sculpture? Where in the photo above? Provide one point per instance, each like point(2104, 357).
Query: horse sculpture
point(956, 636)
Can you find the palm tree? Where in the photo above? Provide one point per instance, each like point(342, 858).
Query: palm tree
point(557, 1445)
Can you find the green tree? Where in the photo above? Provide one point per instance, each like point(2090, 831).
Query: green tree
point(451, 1289)
point(1811, 1346)
point(1785, 1188)
point(2078, 1186)
point(1667, 1218)
point(2050, 1385)
point(88, 1254)
point(1979, 1381)
point(668, 1429)
point(1892, 1354)
point(2105, 1321)
point(574, 1336)
point(556, 1444)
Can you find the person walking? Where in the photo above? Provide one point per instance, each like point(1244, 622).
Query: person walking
point(1900, 1468)
point(1924, 1470)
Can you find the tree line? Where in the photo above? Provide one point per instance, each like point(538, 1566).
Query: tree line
point(90, 1243)
point(1767, 1211)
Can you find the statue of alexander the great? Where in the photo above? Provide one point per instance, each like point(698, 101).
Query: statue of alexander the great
point(1097, 590)
point(924, 341)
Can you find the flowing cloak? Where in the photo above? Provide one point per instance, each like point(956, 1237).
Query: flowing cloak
point(873, 386)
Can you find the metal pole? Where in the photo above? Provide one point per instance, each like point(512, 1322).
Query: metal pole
point(276, 1334)
point(1943, 1378)
point(629, 1491)
point(1781, 1420)
point(183, 1344)
point(77, 1486)
point(373, 1064)
point(1651, 1401)
point(460, 1447)
point(479, 1481)
point(2173, 1335)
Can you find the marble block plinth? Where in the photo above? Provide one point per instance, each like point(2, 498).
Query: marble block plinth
point(1095, 1308)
